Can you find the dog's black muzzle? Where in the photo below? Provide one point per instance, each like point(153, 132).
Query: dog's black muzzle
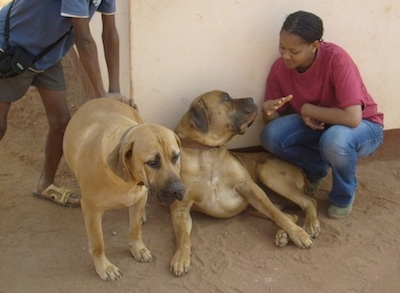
point(169, 193)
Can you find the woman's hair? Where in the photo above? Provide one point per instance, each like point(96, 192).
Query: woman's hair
point(306, 25)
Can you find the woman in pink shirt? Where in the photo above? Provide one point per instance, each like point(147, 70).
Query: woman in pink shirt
point(318, 113)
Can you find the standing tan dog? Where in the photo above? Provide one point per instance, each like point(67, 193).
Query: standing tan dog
point(221, 183)
point(117, 160)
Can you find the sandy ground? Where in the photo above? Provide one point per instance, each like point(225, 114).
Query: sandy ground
point(43, 247)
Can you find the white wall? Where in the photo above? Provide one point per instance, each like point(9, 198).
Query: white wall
point(182, 48)
point(174, 50)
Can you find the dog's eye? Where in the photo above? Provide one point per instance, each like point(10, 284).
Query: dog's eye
point(175, 158)
point(153, 164)
point(227, 98)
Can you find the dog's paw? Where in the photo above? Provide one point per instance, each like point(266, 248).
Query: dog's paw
point(108, 272)
point(301, 238)
point(281, 238)
point(312, 227)
point(143, 219)
point(142, 254)
point(180, 263)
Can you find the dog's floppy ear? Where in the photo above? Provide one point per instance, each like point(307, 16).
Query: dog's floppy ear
point(178, 140)
point(198, 116)
point(118, 159)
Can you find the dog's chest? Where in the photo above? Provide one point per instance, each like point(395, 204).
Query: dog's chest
point(219, 200)
point(125, 196)
point(212, 180)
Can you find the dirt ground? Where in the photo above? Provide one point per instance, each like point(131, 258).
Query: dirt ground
point(43, 247)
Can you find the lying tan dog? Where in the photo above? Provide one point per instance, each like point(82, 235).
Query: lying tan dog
point(117, 160)
point(221, 183)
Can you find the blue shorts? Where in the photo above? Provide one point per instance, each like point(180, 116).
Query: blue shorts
point(14, 88)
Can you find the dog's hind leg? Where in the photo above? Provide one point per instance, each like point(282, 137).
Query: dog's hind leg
point(281, 237)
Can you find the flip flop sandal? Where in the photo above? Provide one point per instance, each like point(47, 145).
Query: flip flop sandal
point(57, 194)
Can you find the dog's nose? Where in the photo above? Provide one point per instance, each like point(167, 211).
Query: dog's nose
point(249, 106)
point(171, 191)
point(177, 190)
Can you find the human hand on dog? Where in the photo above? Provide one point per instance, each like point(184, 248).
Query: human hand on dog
point(270, 107)
point(123, 99)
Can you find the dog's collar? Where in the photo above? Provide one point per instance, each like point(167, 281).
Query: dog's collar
point(127, 131)
point(195, 145)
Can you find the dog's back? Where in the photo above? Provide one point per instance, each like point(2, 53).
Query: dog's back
point(95, 125)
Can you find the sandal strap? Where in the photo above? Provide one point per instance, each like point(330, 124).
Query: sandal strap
point(58, 193)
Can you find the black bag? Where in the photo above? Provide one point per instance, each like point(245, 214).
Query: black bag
point(14, 61)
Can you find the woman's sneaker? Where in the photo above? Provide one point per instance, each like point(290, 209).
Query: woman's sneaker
point(336, 212)
point(313, 186)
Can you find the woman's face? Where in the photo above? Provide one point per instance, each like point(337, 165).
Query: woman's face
point(295, 52)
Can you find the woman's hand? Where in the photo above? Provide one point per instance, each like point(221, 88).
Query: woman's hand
point(316, 116)
point(270, 107)
point(313, 123)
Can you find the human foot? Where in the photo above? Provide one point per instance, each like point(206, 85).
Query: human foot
point(336, 212)
point(313, 186)
point(59, 195)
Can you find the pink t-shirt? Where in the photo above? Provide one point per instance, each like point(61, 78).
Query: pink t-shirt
point(333, 80)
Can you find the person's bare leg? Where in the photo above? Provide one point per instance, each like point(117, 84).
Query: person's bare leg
point(4, 108)
point(58, 116)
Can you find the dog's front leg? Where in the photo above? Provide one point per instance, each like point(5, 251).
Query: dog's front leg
point(139, 251)
point(104, 268)
point(182, 223)
point(259, 200)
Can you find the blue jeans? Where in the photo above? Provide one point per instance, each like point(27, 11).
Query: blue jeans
point(315, 151)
